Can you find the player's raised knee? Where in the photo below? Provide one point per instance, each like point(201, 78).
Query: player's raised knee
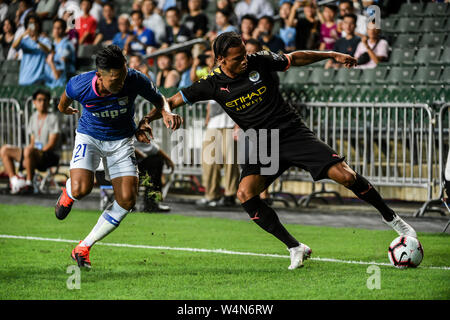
point(80, 189)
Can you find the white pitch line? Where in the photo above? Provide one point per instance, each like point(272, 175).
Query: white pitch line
point(221, 251)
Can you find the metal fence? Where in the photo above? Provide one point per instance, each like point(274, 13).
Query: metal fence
point(11, 122)
point(392, 144)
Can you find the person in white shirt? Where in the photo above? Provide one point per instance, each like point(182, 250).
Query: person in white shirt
point(153, 21)
point(371, 50)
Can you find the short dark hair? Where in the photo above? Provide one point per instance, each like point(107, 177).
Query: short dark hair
point(225, 12)
point(255, 42)
point(63, 23)
point(268, 18)
point(351, 15)
point(110, 57)
point(174, 9)
point(250, 17)
point(36, 18)
point(139, 12)
point(186, 52)
point(350, 3)
point(225, 41)
point(110, 4)
point(332, 7)
point(39, 91)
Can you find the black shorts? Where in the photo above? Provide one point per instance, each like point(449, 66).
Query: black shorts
point(298, 147)
point(48, 159)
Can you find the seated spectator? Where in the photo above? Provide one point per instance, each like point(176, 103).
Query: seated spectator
point(183, 64)
point(253, 46)
point(107, 26)
point(153, 20)
point(227, 5)
point(287, 32)
point(25, 7)
point(223, 22)
point(371, 50)
point(7, 38)
point(347, 44)
point(135, 62)
point(86, 24)
point(123, 38)
point(151, 160)
point(35, 49)
point(328, 29)
point(196, 21)
point(47, 9)
point(166, 77)
point(348, 7)
point(307, 27)
point(175, 33)
point(137, 5)
point(202, 65)
point(264, 34)
point(248, 26)
point(143, 39)
point(61, 61)
point(258, 8)
point(43, 150)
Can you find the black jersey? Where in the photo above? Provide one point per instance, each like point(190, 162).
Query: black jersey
point(253, 99)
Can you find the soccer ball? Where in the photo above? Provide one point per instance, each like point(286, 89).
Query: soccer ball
point(405, 252)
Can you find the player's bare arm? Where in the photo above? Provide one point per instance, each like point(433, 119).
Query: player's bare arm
point(301, 58)
point(173, 102)
point(64, 105)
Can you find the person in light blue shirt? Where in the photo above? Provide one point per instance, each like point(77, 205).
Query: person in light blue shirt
point(123, 37)
point(61, 62)
point(183, 64)
point(223, 22)
point(35, 49)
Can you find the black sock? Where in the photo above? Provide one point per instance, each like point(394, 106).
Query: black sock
point(365, 191)
point(265, 217)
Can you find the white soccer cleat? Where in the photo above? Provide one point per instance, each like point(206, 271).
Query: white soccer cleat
point(298, 255)
point(16, 184)
point(401, 227)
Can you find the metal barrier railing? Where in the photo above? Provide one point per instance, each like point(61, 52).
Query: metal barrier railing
point(391, 144)
point(11, 122)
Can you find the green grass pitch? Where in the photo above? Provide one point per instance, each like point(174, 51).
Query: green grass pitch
point(31, 269)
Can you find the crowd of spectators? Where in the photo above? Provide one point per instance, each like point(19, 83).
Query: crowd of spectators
point(49, 55)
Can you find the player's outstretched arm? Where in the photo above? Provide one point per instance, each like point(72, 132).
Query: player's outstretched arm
point(64, 105)
point(301, 58)
point(173, 102)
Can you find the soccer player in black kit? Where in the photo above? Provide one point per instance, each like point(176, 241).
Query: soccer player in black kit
point(245, 87)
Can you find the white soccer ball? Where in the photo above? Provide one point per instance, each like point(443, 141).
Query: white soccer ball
point(405, 252)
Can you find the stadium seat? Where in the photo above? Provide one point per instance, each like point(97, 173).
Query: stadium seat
point(427, 75)
point(388, 24)
point(427, 55)
point(398, 75)
point(434, 39)
point(431, 24)
point(401, 56)
point(345, 76)
point(322, 76)
point(445, 57)
point(10, 66)
point(406, 24)
point(297, 75)
point(445, 76)
point(411, 9)
point(11, 78)
point(370, 76)
point(436, 9)
point(406, 40)
point(447, 24)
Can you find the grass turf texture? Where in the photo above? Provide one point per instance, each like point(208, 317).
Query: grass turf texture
point(37, 269)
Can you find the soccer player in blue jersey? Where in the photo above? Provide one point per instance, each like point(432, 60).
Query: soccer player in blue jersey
point(105, 133)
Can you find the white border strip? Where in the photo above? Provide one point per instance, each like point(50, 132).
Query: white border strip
point(222, 251)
